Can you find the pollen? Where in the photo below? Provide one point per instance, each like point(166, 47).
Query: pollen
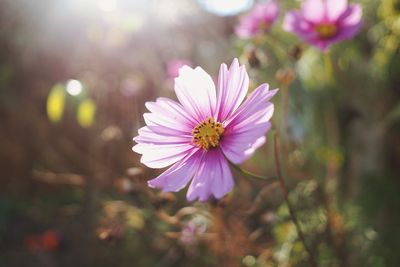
point(207, 134)
point(326, 31)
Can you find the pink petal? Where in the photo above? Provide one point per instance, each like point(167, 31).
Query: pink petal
point(257, 100)
point(246, 129)
point(172, 111)
point(313, 10)
point(269, 11)
point(212, 178)
point(260, 115)
point(294, 22)
point(196, 91)
point(247, 28)
point(178, 175)
point(335, 8)
point(147, 136)
point(161, 156)
point(350, 22)
point(239, 147)
point(352, 15)
point(162, 124)
point(233, 85)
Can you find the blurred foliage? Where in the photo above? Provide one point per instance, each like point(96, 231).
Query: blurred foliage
point(73, 193)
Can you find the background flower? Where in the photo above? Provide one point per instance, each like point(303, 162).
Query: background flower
point(322, 23)
point(259, 20)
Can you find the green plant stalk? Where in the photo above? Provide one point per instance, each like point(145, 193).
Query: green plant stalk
point(328, 68)
point(252, 175)
point(282, 183)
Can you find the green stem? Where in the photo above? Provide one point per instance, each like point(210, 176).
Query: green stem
point(252, 175)
point(285, 111)
point(311, 257)
point(328, 68)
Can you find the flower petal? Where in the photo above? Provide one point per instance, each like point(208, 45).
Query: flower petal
point(246, 28)
point(233, 85)
point(350, 22)
point(161, 156)
point(172, 111)
point(334, 8)
point(269, 11)
point(255, 102)
point(295, 22)
point(196, 92)
point(313, 10)
point(352, 16)
point(162, 125)
point(178, 175)
point(212, 178)
point(238, 147)
point(147, 136)
point(246, 129)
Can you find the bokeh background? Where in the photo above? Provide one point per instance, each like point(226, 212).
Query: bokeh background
point(74, 77)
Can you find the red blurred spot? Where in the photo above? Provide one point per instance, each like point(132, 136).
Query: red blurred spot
point(48, 241)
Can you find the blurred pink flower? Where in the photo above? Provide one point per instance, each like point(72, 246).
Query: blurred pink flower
point(174, 65)
point(192, 230)
point(260, 19)
point(324, 22)
point(205, 129)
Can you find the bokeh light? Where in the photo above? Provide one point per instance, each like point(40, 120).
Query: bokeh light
point(74, 87)
point(226, 7)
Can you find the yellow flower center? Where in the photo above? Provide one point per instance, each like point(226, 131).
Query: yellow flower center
point(263, 26)
point(207, 134)
point(326, 31)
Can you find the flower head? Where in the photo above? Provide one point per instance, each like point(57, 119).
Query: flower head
point(193, 229)
point(324, 22)
point(198, 134)
point(260, 19)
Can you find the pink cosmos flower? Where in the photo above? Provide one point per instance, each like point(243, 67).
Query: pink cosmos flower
point(260, 19)
point(324, 22)
point(205, 129)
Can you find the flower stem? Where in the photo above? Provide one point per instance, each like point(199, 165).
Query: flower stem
point(252, 175)
point(285, 111)
point(328, 68)
point(282, 183)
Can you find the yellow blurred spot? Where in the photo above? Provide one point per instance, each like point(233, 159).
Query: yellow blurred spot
point(249, 260)
point(86, 113)
point(134, 218)
point(330, 156)
point(56, 103)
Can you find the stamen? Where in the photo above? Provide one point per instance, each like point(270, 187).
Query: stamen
point(326, 31)
point(207, 134)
